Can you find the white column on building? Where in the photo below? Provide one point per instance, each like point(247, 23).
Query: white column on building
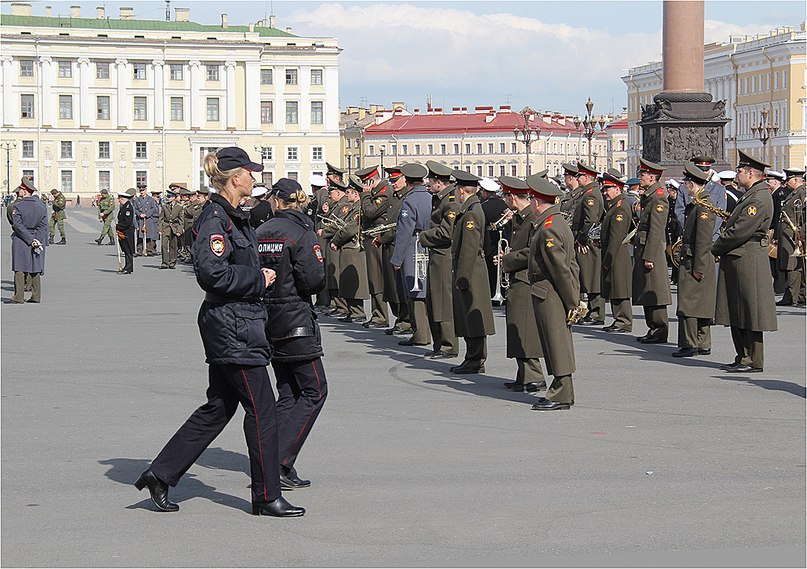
point(230, 94)
point(305, 98)
point(280, 98)
point(124, 101)
point(86, 118)
point(159, 93)
point(47, 105)
point(252, 88)
point(196, 100)
point(8, 103)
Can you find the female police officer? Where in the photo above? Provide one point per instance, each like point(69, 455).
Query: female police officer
point(288, 245)
point(231, 322)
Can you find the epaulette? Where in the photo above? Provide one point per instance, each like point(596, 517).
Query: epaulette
point(548, 222)
point(660, 192)
point(590, 190)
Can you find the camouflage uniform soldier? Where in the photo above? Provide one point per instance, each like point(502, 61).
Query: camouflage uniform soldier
point(106, 209)
point(57, 218)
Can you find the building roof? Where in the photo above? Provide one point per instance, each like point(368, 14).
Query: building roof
point(486, 121)
point(620, 124)
point(138, 25)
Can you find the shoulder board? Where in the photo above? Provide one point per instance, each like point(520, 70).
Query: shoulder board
point(590, 190)
point(660, 192)
point(619, 203)
point(548, 222)
point(452, 198)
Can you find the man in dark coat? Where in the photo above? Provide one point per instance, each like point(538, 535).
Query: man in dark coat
point(696, 273)
point(523, 343)
point(790, 239)
point(651, 284)
point(125, 228)
point(473, 311)
point(386, 241)
point(555, 290)
point(374, 205)
point(262, 211)
point(617, 267)
point(319, 189)
point(347, 241)
point(329, 224)
point(29, 224)
point(587, 212)
point(493, 207)
point(745, 298)
point(414, 217)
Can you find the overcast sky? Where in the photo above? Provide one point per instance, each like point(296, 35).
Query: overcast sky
point(548, 55)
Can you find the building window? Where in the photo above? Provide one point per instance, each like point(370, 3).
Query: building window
point(430, 149)
point(479, 148)
point(141, 179)
point(784, 79)
point(404, 149)
point(622, 146)
point(316, 112)
point(266, 178)
point(267, 153)
point(467, 148)
point(479, 170)
point(490, 148)
point(66, 181)
point(176, 72)
point(291, 112)
point(65, 106)
point(490, 171)
point(102, 70)
point(266, 77)
point(177, 109)
point(102, 107)
point(26, 106)
point(291, 77)
point(514, 170)
point(141, 151)
point(66, 149)
point(317, 153)
point(212, 109)
point(104, 180)
point(417, 149)
point(502, 171)
point(140, 113)
point(65, 70)
point(776, 81)
point(139, 71)
point(104, 151)
point(27, 148)
point(212, 72)
point(502, 148)
point(292, 175)
point(26, 67)
point(347, 143)
point(316, 76)
point(371, 150)
point(456, 148)
point(292, 153)
point(267, 112)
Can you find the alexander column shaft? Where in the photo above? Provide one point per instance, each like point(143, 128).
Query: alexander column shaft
point(682, 46)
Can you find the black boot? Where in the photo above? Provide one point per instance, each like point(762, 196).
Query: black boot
point(279, 508)
point(50, 239)
point(111, 240)
point(98, 241)
point(158, 490)
point(63, 241)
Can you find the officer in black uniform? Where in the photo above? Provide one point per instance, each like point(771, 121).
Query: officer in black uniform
point(231, 322)
point(288, 245)
point(125, 228)
point(261, 212)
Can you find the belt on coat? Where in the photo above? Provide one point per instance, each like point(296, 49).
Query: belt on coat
point(296, 333)
point(210, 297)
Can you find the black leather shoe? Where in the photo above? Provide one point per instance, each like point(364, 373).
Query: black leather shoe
point(544, 404)
point(158, 490)
point(466, 370)
point(346, 319)
point(371, 324)
point(98, 241)
point(704, 351)
point(784, 302)
point(653, 340)
point(531, 387)
point(744, 369)
point(442, 356)
point(685, 353)
point(641, 339)
point(614, 329)
point(411, 342)
point(290, 481)
point(732, 365)
point(279, 508)
point(590, 322)
point(164, 266)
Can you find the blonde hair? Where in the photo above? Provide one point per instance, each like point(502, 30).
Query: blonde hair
point(297, 200)
point(218, 178)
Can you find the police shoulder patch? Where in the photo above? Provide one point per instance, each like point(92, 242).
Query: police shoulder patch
point(217, 244)
point(318, 253)
point(752, 210)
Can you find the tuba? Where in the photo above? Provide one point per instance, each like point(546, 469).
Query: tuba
point(421, 259)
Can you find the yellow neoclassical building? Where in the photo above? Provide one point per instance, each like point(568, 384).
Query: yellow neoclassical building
point(99, 102)
point(761, 79)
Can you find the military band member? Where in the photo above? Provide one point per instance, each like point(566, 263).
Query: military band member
point(745, 298)
point(697, 283)
point(386, 241)
point(588, 211)
point(789, 241)
point(192, 211)
point(617, 268)
point(261, 212)
point(439, 299)
point(523, 343)
point(125, 228)
point(714, 189)
point(414, 216)
point(568, 202)
point(319, 189)
point(651, 284)
point(493, 207)
point(374, 205)
point(106, 210)
point(473, 311)
point(169, 226)
point(347, 241)
point(555, 291)
point(334, 209)
point(58, 203)
point(334, 174)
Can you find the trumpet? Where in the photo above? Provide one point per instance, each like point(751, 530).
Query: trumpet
point(499, 224)
point(380, 229)
point(502, 278)
point(577, 313)
point(798, 251)
point(421, 260)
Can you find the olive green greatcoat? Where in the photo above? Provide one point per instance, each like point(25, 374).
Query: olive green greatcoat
point(785, 235)
point(522, 329)
point(568, 202)
point(651, 287)
point(374, 205)
point(473, 310)
point(388, 249)
point(438, 239)
point(352, 261)
point(744, 287)
point(555, 288)
point(617, 267)
point(696, 299)
point(170, 221)
point(587, 212)
point(332, 269)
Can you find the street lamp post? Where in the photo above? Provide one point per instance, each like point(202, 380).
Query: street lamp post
point(594, 154)
point(590, 125)
point(8, 146)
point(382, 149)
point(527, 134)
point(764, 131)
point(348, 159)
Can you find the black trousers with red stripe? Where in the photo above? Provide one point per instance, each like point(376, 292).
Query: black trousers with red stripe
point(229, 385)
point(301, 392)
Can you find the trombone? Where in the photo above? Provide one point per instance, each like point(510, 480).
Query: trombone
point(380, 229)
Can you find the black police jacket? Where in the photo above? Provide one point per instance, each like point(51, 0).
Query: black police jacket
point(225, 260)
point(288, 245)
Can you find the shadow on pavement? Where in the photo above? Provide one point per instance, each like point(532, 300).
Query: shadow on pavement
point(770, 384)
